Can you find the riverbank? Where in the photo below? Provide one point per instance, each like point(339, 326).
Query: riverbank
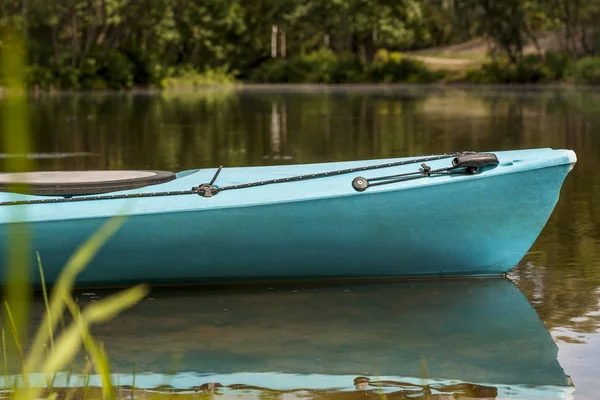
point(388, 68)
point(409, 89)
point(442, 67)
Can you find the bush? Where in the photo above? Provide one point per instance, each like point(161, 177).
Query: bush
point(348, 69)
point(322, 66)
point(314, 67)
point(187, 77)
point(585, 71)
point(67, 77)
point(394, 67)
point(276, 70)
point(88, 75)
point(558, 64)
point(39, 76)
point(64, 76)
point(530, 69)
point(146, 68)
point(130, 66)
point(116, 70)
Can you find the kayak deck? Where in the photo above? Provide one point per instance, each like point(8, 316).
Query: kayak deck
point(319, 181)
point(440, 225)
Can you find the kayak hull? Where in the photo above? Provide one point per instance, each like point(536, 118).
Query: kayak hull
point(464, 226)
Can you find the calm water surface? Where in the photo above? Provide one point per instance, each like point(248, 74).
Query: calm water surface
point(526, 337)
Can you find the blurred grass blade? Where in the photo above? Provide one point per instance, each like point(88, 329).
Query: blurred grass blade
point(102, 366)
point(14, 329)
point(46, 301)
point(46, 354)
point(5, 354)
point(15, 140)
point(77, 333)
point(48, 314)
point(133, 381)
point(79, 329)
point(65, 284)
point(67, 346)
point(99, 312)
point(109, 307)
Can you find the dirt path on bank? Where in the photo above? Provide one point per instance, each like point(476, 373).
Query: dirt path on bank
point(456, 57)
point(476, 51)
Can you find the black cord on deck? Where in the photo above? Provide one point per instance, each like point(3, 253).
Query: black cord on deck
point(208, 190)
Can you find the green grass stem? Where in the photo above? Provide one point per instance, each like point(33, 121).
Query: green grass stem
point(66, 283)
point(5, 354)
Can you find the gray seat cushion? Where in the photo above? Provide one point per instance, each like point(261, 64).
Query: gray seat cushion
point(70, 183)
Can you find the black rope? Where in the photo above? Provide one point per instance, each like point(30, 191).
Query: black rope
point(99, 197)
point(208, 190)
point(215, 190)
point(427, 171)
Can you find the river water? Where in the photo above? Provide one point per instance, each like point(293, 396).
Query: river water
point(533, 335)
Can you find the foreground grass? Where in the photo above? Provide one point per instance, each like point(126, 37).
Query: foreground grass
point(52, 349)
point(50, 355)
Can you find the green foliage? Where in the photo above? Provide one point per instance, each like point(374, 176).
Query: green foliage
point(505, 73)
point(41, 77)
point(120, 44)
point(585, 71)
point(117, 70)
point(529, 69)
point(394, 67)
point(88, 74)
point(147, 70)
point(276, 70)
point(558, 64)
point(322, 66)
point(66, 77)
point(186, 77)
point(113, 70)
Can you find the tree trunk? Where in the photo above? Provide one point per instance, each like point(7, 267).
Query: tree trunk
point(54, 45)
point(370, 46)
point(73, 37)
point(282, 49)
point(91, 31)
point(24, 14)
point(102, 34)
point(531, 35)
point(568, 27)
point(589, 50)
point(274, 41)
point(576, 17)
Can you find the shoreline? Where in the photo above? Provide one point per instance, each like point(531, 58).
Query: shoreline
point(314, 87)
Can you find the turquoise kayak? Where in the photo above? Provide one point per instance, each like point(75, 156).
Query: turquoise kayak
point(457, 214)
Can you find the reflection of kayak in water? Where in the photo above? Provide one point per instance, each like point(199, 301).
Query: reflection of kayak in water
point(451, 214)
point(478, 336)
